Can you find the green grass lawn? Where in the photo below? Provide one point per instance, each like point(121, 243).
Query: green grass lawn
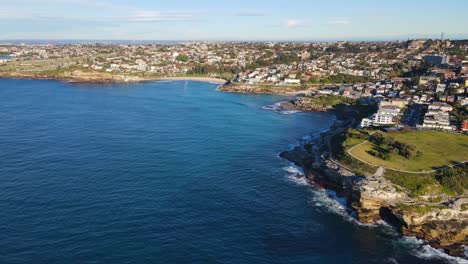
point(438, 149)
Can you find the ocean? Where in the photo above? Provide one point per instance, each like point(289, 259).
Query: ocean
point(169, 172)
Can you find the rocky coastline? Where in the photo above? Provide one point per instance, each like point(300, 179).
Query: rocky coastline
point(264, 89)
point(372, 198)
point(100, 77)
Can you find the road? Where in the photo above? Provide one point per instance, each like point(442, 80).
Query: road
point(413, 115)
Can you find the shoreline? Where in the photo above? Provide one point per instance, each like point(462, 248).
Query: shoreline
point(266, 89)
point(197, 79)
point(103, 78)
point(96, 77)
point(315, 175)
point(364, 201)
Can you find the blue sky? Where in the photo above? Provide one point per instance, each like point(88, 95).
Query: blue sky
point(232, 20)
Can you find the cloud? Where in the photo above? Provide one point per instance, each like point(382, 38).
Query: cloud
point(292, 23)
point(10, 14)
point(157, 16)
point(116, 14)
point(340, 21)
point(250, 13)
point(79, 3)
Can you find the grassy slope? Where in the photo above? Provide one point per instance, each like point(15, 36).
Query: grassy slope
point(438, 144)
point(341, 143)
point(438, 149)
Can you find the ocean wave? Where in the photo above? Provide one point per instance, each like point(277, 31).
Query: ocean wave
point(391, 260)
point(421, 250)
point(331, 202)
point(296, 175)
point(302, 141)
point(277, 108)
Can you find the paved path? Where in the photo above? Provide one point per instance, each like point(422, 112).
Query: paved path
point(380, 171)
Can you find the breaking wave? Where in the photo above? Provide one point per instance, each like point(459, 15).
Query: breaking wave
point(421, 250)
point(277, 108)
point(296, 175)
point(328, 200)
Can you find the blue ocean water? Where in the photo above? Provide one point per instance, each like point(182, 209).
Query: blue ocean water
point(167, 172)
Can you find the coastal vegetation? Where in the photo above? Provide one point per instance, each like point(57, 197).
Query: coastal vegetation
point(339, 78)
point(340, 143)
point(426, 152)
point(455, 179)
point(417, 184)
point(421, 209)
point(182, 58)
point(331, 101)
point(217, 69)
point(413, 151)
point(384, 146)
point(263, 88)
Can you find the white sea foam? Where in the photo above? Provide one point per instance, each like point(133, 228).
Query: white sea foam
point(293, 169)
point(331, 202)
point(300, 142)
point(341, 200)
point(279, 109)
point(391, 260)
point(295, 174)
point(421, 250)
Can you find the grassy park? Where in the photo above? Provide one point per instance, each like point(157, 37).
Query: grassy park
point(414, 151)
point(435, 149)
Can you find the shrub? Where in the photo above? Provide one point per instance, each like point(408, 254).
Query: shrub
point(455, 179)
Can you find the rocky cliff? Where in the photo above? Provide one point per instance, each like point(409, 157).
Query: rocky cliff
point(264, 89)
point(372, 198)
point(75, 76)
point(306, 104)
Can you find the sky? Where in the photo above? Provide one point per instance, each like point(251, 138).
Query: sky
point(292, 20)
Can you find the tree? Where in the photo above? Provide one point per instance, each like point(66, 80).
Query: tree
point(455, 178)
point(182, 58)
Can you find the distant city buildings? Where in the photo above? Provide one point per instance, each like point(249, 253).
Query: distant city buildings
point(437, 117)
point(436, 59)
point(386, 115)
point(418, 83)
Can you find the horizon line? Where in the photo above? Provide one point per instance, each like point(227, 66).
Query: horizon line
point(5, 41)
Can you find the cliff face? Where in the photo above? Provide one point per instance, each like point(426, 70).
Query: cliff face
point(75, 76)
point(263, 89)
point(374, 199)
point(99, 77)
point(371, 195)
point(443, 228)
point(306, 104)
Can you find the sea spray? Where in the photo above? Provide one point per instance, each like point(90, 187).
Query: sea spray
point(421, 250)
point(295, 174)
point(278, 108)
